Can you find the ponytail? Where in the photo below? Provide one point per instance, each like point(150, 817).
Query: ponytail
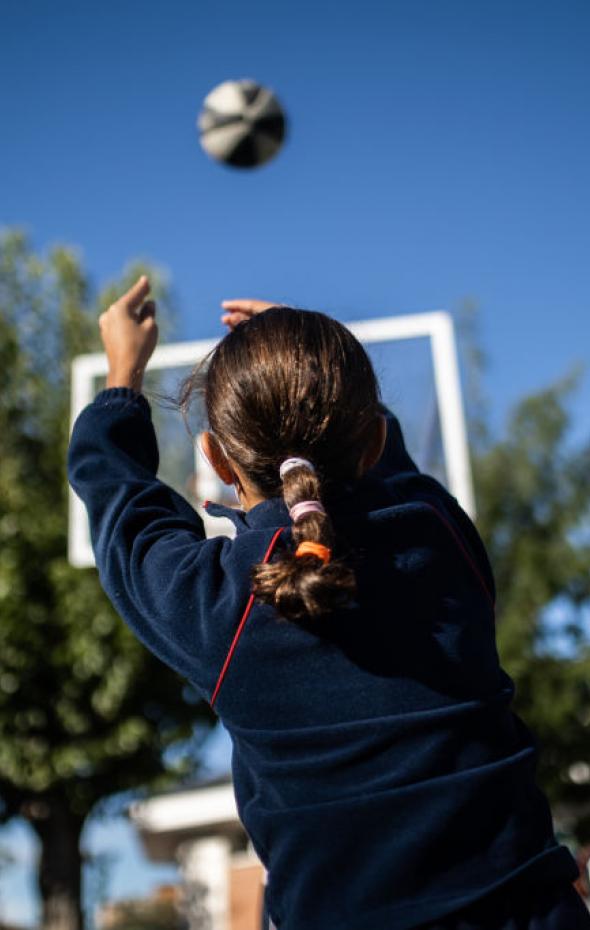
point(305, 582)
point(291, 381)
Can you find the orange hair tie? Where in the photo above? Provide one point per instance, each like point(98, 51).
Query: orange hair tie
point(314, 548)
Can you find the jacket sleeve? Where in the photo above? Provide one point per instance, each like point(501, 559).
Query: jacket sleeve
point(175, 588)
point(395, 457)
point(395, 461)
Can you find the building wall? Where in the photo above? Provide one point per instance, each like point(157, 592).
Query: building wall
point(246, 893)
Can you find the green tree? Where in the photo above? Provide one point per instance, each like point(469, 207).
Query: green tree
point(156, 913)
point(85, 711)
point(533, 500)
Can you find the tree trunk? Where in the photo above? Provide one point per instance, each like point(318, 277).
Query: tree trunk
point(60, 864)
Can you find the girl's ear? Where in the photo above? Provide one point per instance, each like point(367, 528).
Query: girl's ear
point(216, 458)
point(375, 445)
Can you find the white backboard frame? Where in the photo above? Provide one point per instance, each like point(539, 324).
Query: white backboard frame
point(437, 325)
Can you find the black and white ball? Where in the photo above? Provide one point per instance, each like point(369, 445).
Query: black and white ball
point(241, 124)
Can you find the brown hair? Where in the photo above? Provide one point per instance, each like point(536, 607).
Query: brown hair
point(293, 383)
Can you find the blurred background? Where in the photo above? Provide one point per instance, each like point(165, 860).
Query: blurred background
point(436, 158)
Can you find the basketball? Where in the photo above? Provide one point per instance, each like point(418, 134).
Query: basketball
point(242, 124)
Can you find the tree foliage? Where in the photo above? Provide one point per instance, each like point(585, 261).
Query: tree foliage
point(533, 499)
point(85, 710)
point(156, 913)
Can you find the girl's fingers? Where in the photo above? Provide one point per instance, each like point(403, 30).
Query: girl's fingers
point(246, 305)
point(238, 305)
point(136, 294)
point(232, 319)
point(147, 310)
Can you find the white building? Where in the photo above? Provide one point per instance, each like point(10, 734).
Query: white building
point(199, 829)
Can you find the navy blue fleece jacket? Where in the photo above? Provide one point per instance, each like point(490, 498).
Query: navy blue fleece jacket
point(378, 768)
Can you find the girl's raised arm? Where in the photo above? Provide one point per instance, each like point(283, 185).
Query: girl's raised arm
point(178, 591)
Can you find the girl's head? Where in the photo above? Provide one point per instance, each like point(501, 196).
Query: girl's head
point(293, 383)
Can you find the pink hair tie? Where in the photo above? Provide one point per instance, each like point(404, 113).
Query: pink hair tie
point(299, 510)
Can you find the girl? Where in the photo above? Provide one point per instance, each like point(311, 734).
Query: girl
point(345, 637)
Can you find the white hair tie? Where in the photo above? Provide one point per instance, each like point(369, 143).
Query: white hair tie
point(288, 464)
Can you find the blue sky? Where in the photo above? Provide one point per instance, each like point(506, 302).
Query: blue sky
point(438, 150)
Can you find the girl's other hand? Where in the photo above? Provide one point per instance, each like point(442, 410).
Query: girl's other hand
point(129, 333)
point(237, 311)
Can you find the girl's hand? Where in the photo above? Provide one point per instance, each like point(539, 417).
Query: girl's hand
point(237, 311)
point(129, 333)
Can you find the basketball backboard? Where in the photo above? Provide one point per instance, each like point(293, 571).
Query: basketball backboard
point(416, 363)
